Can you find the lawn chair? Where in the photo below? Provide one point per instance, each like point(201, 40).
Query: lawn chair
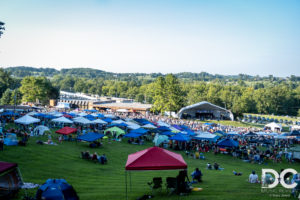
point(171, 185)
point(156, 184)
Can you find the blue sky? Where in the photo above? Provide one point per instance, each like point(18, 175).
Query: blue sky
point(257, 37)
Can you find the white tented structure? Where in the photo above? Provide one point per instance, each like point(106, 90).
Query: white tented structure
point(39, 130)
point(26, 120)
point(274, 127)
point(204, 110)
point(62, 120)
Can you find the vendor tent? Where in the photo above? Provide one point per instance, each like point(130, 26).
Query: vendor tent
point(228, 143)
point(274, 127)
point(41, 129)
point(180, 138)
point(132, 135)
point(206, 136)
point(82, 120)
point(62, 120)
point(149, 126)
point(10, 179)
point(66, 131)
point(155, 158)
point(26, 120)
point(115, 130)
point(11, 139)
point(99, 121)
point(90, 137)
point(139, 131)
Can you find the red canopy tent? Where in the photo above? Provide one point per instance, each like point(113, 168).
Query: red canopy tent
point(154, 158)
point(67, 116)
point(66, 130)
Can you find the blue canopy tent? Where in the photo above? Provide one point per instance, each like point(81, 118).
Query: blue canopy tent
point(56, 189)
point(178, 127)
point(228, 143)
point(142, 121)
point(9, 113)
point(179, 137)
point(86, 110)
point(189, 132)
point(90, 117)
point(90, 137)
point(108, 120)
point(221, 132)
point(132, 135)
point(167, 133)
point(118, 125)
point(100, 115)
point(139, 131)
point(295, 133)
point(11, 139)
point(39, 115)
point(207, 136)
point(163, 129)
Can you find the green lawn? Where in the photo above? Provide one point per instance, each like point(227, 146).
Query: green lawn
point(274, 117)
point(95, 181)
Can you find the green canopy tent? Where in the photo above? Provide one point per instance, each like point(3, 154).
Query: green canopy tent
point(115, 130)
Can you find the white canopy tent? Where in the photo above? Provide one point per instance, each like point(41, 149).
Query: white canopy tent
point(117, 121)
point(274, 127)
point(82, 120)
point(99, 121)
point(161, 123)
point(25, 120)
point(122, 110)
point(149, 126)
point(62, 120)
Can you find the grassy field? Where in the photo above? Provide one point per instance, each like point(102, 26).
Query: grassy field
point(274, 117)
point(95, 181)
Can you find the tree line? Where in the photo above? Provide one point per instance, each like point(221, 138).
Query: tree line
point(166, 92)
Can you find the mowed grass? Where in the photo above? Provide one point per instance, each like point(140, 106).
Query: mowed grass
point(95, 181)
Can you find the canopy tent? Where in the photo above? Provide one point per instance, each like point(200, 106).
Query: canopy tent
point(90, 137)
point(110, 116)
point(62, 120)
point(63, 105)
point(178, 127)
point(142, 121)
point(149, 126)
point(9, 113)
point(117, 121)
point(158, 139)
point(93, 110)
point(139, 131)
point(132, 125)
point(82, 114)
point(118, 125)
point(132, 135)
point(155, 158)
point(90, 117)
point(68, 116)
point(66, 131)
point(32, 113)
point(99, 121)
point(10, 179)
point(168, 133)
point(25, 120)
point(163, 129)
point(40, 129)
point(273, 126)
point(295, 133)
point(115, 130)
point(82, 120)
point(250, 134)
point(206, 136)
point(232, 133)
point(228, 143)
point(180, 137)
point(108, 120)
point(122, 110)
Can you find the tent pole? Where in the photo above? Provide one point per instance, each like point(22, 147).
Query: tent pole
point(126, 185)
point(130, 179)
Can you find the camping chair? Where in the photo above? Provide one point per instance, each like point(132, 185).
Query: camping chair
point(155, 184)
point(171, 184)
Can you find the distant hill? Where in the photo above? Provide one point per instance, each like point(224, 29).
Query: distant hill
point(22, 71)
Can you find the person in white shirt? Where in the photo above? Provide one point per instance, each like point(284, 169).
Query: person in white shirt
point(253, 178)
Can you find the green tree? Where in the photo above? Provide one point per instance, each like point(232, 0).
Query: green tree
point(173, 93)
point(16, 97)
point(5, 81)
point(6, 97)
point(38, 89)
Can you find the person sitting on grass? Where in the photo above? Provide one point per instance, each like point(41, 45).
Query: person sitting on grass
point(95, 156)
point(253, 178)
point(102, 159)
point(217, 166)
point(197, 175)
point(208, 166)
point(87, 155)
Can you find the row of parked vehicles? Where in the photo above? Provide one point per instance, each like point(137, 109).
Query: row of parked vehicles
point(265, 120)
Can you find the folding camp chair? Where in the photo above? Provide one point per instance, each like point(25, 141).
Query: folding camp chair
point(156, 184)
point(171, 185)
